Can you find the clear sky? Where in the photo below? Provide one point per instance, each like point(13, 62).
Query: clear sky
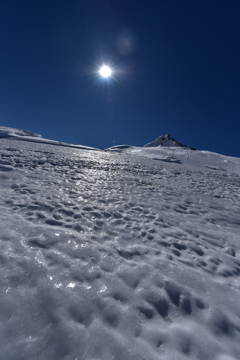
point(175, 70)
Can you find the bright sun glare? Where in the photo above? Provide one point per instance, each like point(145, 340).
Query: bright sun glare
point(105, 71)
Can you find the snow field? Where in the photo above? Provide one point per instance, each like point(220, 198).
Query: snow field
point(115, 256)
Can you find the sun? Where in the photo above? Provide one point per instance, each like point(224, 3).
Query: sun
point(105, 71)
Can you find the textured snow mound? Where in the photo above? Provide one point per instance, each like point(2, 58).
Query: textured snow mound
point(120, 147)
point(165, 140)
point(11, 132)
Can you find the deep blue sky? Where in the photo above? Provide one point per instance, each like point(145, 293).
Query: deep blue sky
point(176, 71)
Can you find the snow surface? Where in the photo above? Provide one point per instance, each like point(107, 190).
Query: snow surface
point(126, 254)
point(25, 135)
point(197, 159)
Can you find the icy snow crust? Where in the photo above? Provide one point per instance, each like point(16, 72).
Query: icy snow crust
point(116, 255)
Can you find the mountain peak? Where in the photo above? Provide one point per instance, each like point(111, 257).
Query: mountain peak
point(166, 140)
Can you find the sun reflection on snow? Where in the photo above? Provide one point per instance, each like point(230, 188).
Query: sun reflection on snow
point(103, 289)
point(71, 285)
point(58, 285)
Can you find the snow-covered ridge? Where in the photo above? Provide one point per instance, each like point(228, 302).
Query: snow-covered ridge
point(25, 135)
point(11, 132)
point(166, 140)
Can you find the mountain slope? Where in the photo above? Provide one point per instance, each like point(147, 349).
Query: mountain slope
point(117, 255)
point(166, 140)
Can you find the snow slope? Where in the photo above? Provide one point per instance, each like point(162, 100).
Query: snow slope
point(25, 135)
point(197, 159)
point(125, 254)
